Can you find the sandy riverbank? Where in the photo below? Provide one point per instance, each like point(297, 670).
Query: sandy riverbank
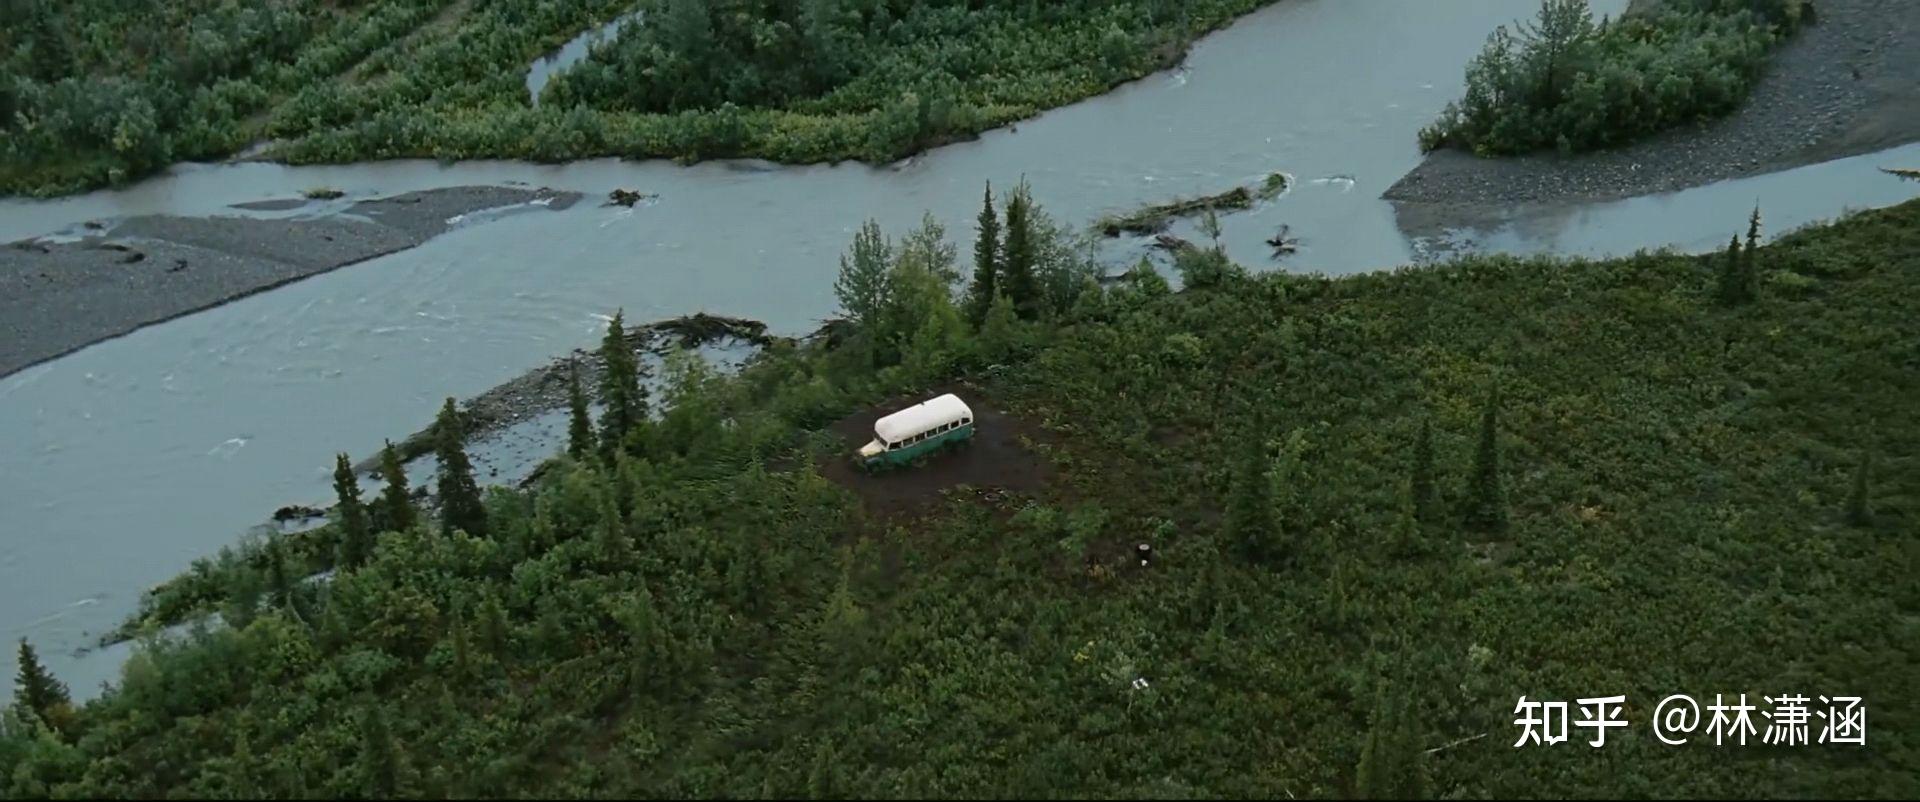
point(59, 294)
point(1848, 85)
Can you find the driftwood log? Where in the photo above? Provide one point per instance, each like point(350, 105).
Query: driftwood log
point(628, 197)
point(1170, 242)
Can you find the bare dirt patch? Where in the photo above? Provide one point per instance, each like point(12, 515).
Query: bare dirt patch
point(995, 462)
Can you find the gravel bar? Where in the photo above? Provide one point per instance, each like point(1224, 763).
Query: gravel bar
point(1846, 85)
point(57, 297)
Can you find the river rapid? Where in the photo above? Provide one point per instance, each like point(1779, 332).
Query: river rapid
point(128, 459)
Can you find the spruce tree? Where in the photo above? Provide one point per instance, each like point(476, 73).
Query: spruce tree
point(1251, 523)
point(1391, 762)
point(1000, 333)
point(1020, 254)
point(986, 257)
point(1487, 499)
point(379, 758)
point(495, 633)
point(1859, 513)
point(333, 633)
point(579, 426)
point(1749, 259)
point(457, 632)
point(51, 55)
point(625, 408)
point(279, 578)
point(356, 536)
point(460, 504)
point(1733, 284)
point(36, 694)
point(396, 501)
point(1424, 504)
point(610, 532)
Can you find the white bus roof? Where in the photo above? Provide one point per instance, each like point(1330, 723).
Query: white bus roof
point(921, 417)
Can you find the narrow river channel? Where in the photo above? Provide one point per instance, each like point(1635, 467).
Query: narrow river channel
point(128, 459)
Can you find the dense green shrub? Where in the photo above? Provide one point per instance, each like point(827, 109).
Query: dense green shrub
point(697, 79)
point(1565, 82)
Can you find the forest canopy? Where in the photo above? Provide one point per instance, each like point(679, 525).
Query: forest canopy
point(95, 92)
point(1384, 506)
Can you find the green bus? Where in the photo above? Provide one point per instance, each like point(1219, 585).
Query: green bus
point(905, 435)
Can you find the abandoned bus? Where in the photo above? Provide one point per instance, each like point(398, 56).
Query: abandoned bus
point(916, 430)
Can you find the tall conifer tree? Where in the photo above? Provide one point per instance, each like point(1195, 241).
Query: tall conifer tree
point(460, 504)
point(1487, 498)
point(356, 536)
point(396, 500)
point(1020, 254)
point(1859, 513)
point(36, 692)
point(986, 267)
point(579, 425)
point(1424, 505)
point(625, 405)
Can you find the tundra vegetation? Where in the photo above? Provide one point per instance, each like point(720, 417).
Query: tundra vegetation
point(1564, 82)
point(102, 91)
point(1385, 507)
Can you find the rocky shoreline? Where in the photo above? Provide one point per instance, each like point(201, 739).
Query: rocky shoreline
point(1847, 85)
point(58, 295)
point(543, 389)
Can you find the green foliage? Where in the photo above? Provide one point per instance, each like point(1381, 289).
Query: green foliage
point(1001, 335)
point(986, 263)
point(1206, 268)
point(1392, 765)
point(356, 533)
point(1564, 82)
point(396, 500)
point(37, 696)
point(862, 284)
point(1251, 524)
point(1426, 506)
point(1487, 496)
point(580, 442)
point(110, 90)
point(280, 579)
point(770, 635)
point(107, 91)
point(1020, 255)
point(459, 495)
point(623, 401)
point(379, 758)
point(1859, 512)
point(1734, 288)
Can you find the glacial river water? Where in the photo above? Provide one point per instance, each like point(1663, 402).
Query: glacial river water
point(126, 460)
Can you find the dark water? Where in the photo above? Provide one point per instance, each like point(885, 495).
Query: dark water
point(127, 460)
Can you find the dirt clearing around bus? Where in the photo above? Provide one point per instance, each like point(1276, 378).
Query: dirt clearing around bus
point(995, 461)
